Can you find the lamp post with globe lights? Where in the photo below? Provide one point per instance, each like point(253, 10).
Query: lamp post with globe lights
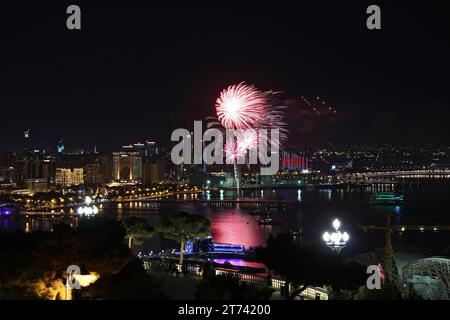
point(336, 240)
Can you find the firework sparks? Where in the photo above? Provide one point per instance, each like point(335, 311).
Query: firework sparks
point(241, 107)
point(244, 141)
point(245, 107)
point(232, 152)
point(247, 140)
point(275, 118)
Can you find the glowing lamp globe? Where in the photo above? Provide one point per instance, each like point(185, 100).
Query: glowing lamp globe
point(336, 240)
point(336, 224)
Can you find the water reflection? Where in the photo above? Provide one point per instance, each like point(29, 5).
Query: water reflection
point(309, 212)
point(236, 227)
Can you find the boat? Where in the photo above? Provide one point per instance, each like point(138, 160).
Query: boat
point(228, 248)
point(276, 206)
point(387, 198)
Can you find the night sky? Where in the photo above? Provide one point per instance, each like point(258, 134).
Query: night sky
point(135, 70)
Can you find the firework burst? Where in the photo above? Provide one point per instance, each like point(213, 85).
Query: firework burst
point(241, 107)
point(244, 141)
point(232, 152)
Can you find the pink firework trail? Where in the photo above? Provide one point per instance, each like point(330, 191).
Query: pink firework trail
point(246, 108)
point(241, 107)
point(245, 140)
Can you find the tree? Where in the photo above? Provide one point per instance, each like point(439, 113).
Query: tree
point(307, 265)
point(137, 229)
point(182, 227)
point(132, 282)
point(34, 264)
point(389, 291)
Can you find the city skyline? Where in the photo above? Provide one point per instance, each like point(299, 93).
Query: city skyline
point(159, 68)
point(231, 152)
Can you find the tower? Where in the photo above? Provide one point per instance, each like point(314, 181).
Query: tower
point(60, 146)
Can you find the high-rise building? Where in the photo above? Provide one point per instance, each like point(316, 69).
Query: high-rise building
point(37, 185)
point(28, 165)
point(153, 171)
point(146, 149)
point(7, 174)
point(26, 136)
point(77, 176)
point(93, 174)
point(106, 170)
point(127, 166)
point(49, 169)
point(60, 146)
point(69, 177)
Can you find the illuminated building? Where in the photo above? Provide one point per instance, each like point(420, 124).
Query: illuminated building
point(28, 165)
point(69, 177)
point(7, 174)
point(49, 169)
point(26, 136)
point(342, 165)
point(60, 146)
point(146, 149)
point(93, 174)
point(292, 161)
point(77, 176)
point(153, 171)
point(37, 185)
point(63, 177)
point(127, 166)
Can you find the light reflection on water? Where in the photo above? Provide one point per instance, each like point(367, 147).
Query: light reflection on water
point(236, 225)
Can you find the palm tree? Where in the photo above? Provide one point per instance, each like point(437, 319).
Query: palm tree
point(137, 229)
point(182, 227)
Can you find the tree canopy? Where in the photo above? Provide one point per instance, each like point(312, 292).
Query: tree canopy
point(34, 265)
point(137, 229)
point(308, 265)
point(183, 226)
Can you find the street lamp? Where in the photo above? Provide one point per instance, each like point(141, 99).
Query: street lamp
point(336, 240)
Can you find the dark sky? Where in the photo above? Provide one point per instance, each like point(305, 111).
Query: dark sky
point(134, 67)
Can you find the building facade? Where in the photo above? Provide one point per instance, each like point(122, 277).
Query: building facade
point(127, 167)
point(92, 174)
point(69, 177)
point(153, 171)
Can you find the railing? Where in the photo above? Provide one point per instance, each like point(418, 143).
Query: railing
point(277, 284)
point(158, 266)
point(311, 293)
